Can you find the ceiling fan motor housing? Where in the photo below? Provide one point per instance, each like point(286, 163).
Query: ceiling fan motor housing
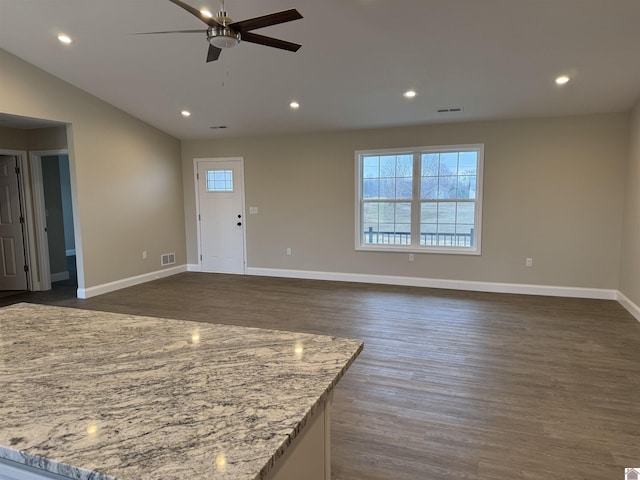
point(223, 37)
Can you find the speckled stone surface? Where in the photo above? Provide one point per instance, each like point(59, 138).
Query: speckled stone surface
point(104, 396)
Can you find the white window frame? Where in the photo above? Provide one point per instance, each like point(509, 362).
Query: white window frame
point(415, 202)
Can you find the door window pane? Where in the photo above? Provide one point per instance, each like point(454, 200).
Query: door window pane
point(219, 180)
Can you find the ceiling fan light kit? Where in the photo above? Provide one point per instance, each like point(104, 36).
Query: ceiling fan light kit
point(222, 32)
point(223, 37)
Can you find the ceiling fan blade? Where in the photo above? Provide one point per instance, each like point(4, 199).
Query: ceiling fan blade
point(270, 42)
point(213, 54)
point(169, 31)
point(195, 12)
point(265, 21)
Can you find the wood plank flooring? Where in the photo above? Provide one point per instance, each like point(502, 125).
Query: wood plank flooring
point(450, 384)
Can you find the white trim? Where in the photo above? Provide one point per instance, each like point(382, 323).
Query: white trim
point(129, 282)
point(71, 252)
point(517, 288)
point(629, 305)
point(59, 276)
point(194, 267)
point(39, 219)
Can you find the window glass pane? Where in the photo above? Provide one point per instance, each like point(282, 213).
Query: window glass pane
point(468, 163)
point(371, 167)
point(404, 188)
point(371, 188)
point(447, 187)
point(388, 166)
point(449, 163)
point(403, 214)
point(429, 187)
point(387, 188)
point(465, 212)
point(446, 213)
point(219, 180)
point(430, 162)
point(429, 212)
point(404, 166)
point(370, 213)
point(466, 187)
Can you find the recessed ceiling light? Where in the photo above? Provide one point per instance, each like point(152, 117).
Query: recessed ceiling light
point(295, 105)
point(562, 80)
point(409, 94)
point(185, 113)
point(206, 13)
point(66, 39)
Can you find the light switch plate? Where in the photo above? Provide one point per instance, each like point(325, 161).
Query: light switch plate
point(253, 210)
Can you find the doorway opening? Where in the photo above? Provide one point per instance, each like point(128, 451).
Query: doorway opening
point(53, 209)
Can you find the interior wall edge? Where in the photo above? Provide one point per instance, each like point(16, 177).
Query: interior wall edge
point(629, 305)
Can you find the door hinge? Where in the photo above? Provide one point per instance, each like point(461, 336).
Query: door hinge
point(26, 268)
point(199, 219)
point(17, 169)
point(197, 176)
point(21, 219)
point(200, 257)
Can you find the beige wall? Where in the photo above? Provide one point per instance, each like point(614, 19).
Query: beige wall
point(552, 191)
point(50, 138)
point(127, 174)
point(13, 139)
point(630, 258)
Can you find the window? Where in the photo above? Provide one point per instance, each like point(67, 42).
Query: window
point(426, 199)
point(219, 180)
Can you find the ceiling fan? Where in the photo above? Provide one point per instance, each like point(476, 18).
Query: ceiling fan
point(222, 32)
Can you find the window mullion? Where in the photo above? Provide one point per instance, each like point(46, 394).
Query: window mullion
point(415, 201)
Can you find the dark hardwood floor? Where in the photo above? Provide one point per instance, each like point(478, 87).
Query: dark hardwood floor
point(450, 384)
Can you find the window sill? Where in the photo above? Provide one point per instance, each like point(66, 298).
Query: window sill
point(423, 250)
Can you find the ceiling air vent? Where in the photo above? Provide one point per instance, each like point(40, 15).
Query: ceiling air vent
point(450, 110)
point(218, 127)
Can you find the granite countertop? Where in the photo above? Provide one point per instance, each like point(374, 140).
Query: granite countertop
point(105, 396)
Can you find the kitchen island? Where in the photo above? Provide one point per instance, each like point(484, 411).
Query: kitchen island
point(102, 396)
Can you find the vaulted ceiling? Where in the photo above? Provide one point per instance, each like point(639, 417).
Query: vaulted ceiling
point(493, 58)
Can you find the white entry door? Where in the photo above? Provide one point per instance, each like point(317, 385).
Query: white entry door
point(12, 274)
point(221, 217)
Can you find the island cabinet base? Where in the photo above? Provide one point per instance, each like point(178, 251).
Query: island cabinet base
point(309, 456)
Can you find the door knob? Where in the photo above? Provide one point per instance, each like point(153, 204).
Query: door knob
point(239, 216)
point(239, 224)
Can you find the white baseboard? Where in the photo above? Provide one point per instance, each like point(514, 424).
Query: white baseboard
point(193, 267)
point(71, 252)
point(627, 303)
point(59, 276)
point(130, 282)
point(517, 288)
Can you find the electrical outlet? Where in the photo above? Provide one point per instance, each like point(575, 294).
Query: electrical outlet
point(144, 255)
point(289, 251)
point(412, 257)
point(529, 262)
